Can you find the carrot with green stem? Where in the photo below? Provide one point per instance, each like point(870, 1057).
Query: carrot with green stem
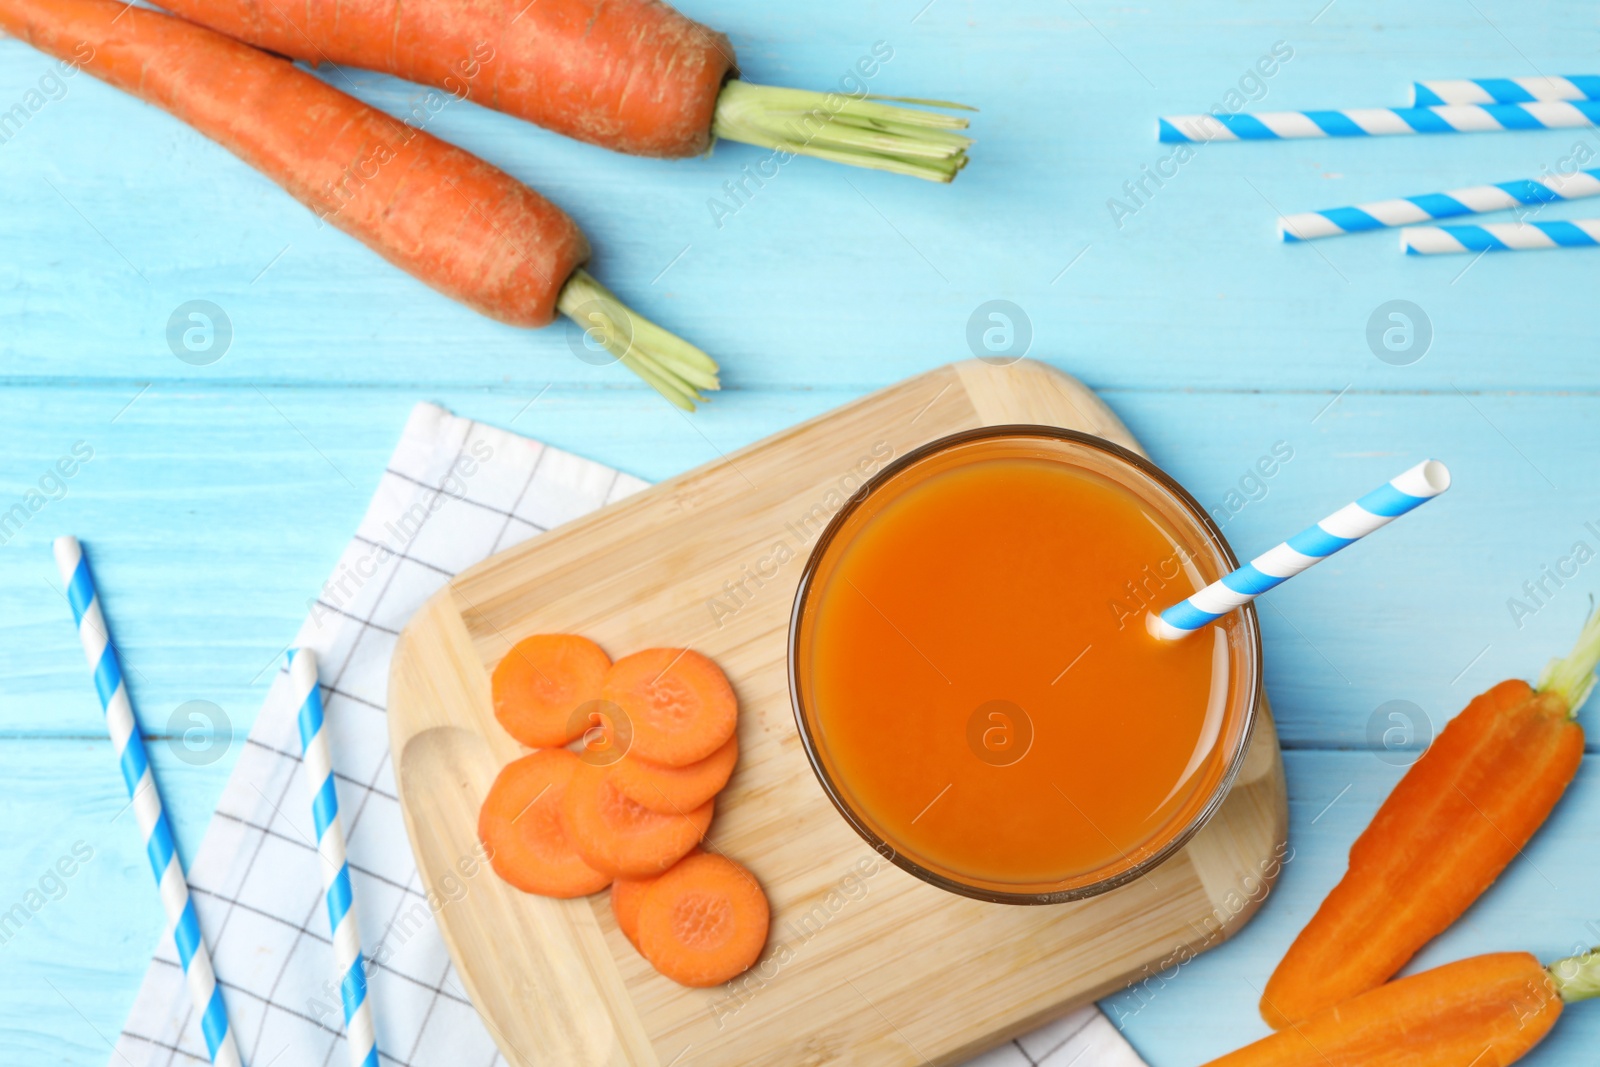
point(635, 76)
point(450, 219)
point(1452, 824)
point(1487, 1011)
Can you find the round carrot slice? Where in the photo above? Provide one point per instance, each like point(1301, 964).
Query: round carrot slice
point(627, 894)
point(543, 681)
point(622, 838)
point(520, 827)
point(704, 921)
point(675, 789)
point(678, 703)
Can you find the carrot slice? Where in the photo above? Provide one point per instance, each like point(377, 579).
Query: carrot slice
point(627, 896)
point(616, 835)
point(675, 789)
point(679, 704)
point(543, 681)
point(704, 921)
point(520, 827)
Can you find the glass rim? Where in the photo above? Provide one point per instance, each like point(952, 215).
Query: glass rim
point(1251, 690)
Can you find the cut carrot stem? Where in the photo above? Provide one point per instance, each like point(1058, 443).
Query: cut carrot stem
point(1487, 1011)
point(615, 835)
point(675, 789)
point(678, 703)
point(453, 221)
point(857, 131)
point(634, 76)
point(521, 828)
point(1572, 677)
point(704, 922)
point(670, 365)
point(1452, 824)
point(542, 683)
point(1578, 977)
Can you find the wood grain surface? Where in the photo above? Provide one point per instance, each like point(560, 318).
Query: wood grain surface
point(220, 496)
point(865, 964)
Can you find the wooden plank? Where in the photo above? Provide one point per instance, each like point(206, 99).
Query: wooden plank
point(1193, 282)
point(222, 473)
point(636, 574)
point(94, 942)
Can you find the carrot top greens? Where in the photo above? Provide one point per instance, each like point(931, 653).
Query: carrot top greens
point(1577, 978)
point(670, 365)
point(1573, 677)
point(859, 131)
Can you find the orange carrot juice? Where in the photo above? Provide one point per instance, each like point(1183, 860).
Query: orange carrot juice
point(974, 676)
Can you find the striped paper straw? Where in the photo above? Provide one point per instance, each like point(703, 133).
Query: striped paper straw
point(1305, 549)
point(348, 965)
point(1379, 121)
point(1505, 90)
point(1410, 210)
point(146, 802)
point(1499, 237)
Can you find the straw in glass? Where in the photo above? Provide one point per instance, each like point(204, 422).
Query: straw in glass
point(1405, 492)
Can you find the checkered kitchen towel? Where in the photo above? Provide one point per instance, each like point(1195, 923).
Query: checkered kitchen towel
point(454, 493)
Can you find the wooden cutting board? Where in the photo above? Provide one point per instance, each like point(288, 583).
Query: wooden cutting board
point(865, 964)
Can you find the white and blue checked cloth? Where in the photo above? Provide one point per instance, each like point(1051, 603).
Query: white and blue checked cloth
point(454, 493)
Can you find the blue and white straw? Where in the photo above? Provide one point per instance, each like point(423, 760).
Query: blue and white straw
point(1505, 90)
point(349, 967)
point(1311, 546)
point(145, 800)
point(1500, 237)
point(1410, 210)
point(1379, 121)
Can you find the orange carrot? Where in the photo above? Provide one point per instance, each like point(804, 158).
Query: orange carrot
point(679, 705)
point(675, 789)
point(521, 828)
point(627, 896)
point(541, 684)
point(448, 218)
point(615, 835)
point(631, 75)
point(1460, 814)
point(704, 922)
point(1487, 1011)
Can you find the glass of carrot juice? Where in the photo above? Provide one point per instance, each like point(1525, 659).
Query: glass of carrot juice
point(973, 678)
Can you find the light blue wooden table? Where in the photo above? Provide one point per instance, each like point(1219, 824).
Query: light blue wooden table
point(218, 497)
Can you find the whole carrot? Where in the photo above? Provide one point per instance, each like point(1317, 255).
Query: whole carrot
point(630, 75)
point(1461, 813)
point(455, 222)
point(1487, 1011)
